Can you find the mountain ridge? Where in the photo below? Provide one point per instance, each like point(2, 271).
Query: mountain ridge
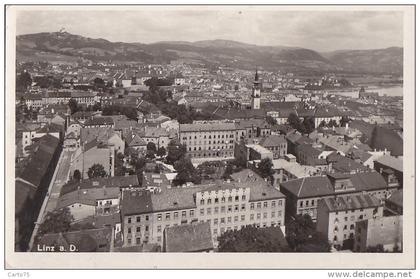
point(209, 52)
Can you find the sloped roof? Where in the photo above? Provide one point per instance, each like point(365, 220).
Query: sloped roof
point(351, 202)
point(391, 162)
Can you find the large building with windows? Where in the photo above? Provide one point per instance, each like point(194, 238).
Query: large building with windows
point(304, 194)
point(213, 139)
point(224, 205)
point(337, 217)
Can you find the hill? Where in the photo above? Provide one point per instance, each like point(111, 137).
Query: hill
point(68, 47)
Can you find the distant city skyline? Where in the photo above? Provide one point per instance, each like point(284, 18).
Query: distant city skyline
point(318, 30)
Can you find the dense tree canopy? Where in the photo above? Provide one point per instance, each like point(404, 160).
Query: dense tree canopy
point(186, 172)
point(175, 151)
point(252, 239)
point(302, 236)
point(23, 81)
point(56, 221)
point(265, 169)
point(97, 170)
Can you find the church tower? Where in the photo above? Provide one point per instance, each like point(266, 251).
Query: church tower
point(256, 93)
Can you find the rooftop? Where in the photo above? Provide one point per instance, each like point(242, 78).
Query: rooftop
point(351, 202)
point(202, 127)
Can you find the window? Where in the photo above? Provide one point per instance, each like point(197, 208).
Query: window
point(184, 214)
point(202, 211)
point(168, 216)
point(251, 217)
point(129, 240)
point(351, 227)
point(258, 215)
point(146, 228)
point(138, 219)
point(345, 227)
point(191, 213)
point(258, 205)
point(159, 217)
point(243, 197)
point(215, 231)
point(215, 221)
point(138, 240)
point(236, 208)
point(129, 230)
point(201, 201)
point(159, 228)
point(208, 201)
point(273, 204)
point(147, 217)
point(209, 210)
point(222, 220)
point(252, 205)
point(129, 220)
point(175, 215)
point(236, 219)
point(346, 218)
point(273, 214)
point(301, 203)
point(229, 208)
point(216, 210)
point(236, 198)
point(216, 200)
point(242, 207)
point(138, 229)
point(229, 199)
point(265, 204)
point(159, 238)
point(242, 217)
point(265, 215)
point(222, 209)
point(229, 219)
point(223, 199)
point(279, 213)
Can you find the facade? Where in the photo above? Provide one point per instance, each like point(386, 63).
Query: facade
point(83, 203)
point(276, 144)
point(214, 139)
point(92, 153)
point(225, 206)
point(337, 217)
point(304, 194)
point(384, 231)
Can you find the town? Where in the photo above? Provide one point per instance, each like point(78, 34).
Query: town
point(187, 157)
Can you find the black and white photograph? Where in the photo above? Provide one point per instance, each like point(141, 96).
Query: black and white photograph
point(265, 131)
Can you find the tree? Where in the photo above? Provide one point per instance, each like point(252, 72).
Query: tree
point(265, 168)
point(332, 123)
point(99, 83)
point(56, 221)
point(344, 120)
point(186, 172)
point(77, 175)
point(73, 105)
point(23, 81)
point(322, 124)
point(151, 146)
point(294, 121)
point(175, 151)
point(97, 170)
point(161, 151)
point(308, 125)
point(302, 236)
point(271, 121)
point(252, 239)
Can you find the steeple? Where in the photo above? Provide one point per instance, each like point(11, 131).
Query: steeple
point(256, 74)
point(256, 93)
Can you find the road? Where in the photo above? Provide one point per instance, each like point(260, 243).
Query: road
point(59, 178)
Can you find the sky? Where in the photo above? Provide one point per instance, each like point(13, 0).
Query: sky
point(318, 30)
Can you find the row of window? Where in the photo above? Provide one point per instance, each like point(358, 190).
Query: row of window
point(222, 200)
point(167, 215)
point(265, 204)
point(214, 148)
point(209, 137)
